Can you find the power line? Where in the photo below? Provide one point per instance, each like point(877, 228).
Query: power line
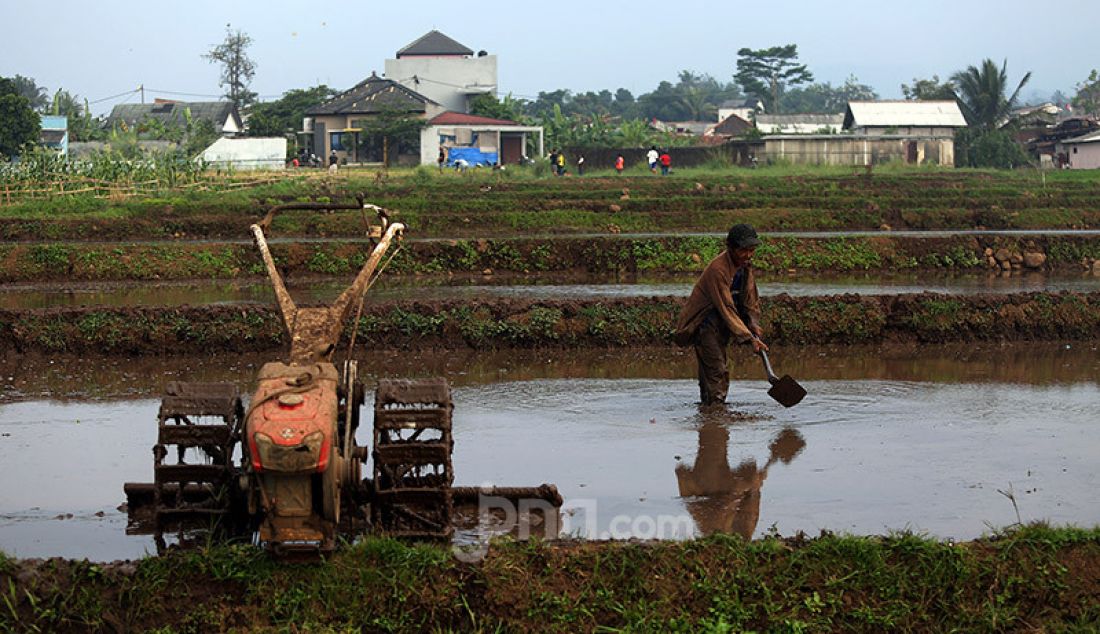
point(183, 94)
point(121, 94)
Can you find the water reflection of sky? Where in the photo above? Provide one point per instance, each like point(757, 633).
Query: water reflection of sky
point(320, 291)
point(634, 455)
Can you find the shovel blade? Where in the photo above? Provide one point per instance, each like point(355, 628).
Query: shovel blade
point(787, 392)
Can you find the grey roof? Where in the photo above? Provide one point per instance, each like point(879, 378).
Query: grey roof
point(173, 112)
point(1092, 137)
point(373, 95)
point(433, 43)
point(751, 102)
point(886, 114)
point(822, 120)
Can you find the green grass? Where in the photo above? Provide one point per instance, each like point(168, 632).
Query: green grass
point(1031, 577)
point(520, 200)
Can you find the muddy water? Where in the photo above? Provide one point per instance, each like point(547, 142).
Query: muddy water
point(321, 291)
point(77, 379)
point(887, 439)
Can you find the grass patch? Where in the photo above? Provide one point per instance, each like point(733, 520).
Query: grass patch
point(1033, 577)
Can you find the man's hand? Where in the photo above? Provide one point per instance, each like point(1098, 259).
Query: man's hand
point(757, 338)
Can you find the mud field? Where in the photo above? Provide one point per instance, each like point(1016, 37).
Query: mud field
point(944, 325)
point(958, 439)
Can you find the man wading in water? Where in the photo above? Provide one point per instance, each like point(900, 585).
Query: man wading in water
point(724, 303)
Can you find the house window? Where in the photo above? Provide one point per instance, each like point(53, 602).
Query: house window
point(337, 141)
point(1075, 149)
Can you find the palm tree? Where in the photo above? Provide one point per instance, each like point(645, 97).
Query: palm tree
point(696, 103)
point(981, 93)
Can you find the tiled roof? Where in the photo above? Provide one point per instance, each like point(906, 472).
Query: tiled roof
point(457, 118)
point(216, 112)
point(433, 43)
point(373, 95)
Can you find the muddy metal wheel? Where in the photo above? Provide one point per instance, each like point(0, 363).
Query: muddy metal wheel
point(344, 466)
point(200, 423)
point(413, 474)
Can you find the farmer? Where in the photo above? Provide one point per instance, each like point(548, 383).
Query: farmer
point(724, 303)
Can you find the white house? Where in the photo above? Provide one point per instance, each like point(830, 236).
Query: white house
point(478, 140)
point(251, 153)
point(927, 119)
point(743, 108)
point(1083, 152)
point(444, 71)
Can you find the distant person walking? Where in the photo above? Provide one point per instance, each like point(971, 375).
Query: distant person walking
point(333, 162)
point(580, 166)
point(441, 159)
point(620, 163)
point(554, 161)
point(651, 158)
point(666, 162)
point(561, 164)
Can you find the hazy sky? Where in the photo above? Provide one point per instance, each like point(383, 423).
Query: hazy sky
point(103, 48)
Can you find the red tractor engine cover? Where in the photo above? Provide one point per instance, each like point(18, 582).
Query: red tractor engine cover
point(292, 419)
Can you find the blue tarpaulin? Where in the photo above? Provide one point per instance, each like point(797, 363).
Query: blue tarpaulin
point(472, 155)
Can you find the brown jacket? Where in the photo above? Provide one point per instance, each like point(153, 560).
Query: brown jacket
point(712, 290)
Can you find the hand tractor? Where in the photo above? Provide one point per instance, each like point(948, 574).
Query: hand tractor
point(286, 470)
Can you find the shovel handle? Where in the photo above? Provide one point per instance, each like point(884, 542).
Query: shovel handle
point(772, 378)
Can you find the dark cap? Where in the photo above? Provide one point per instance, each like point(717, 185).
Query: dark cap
point(742, 236)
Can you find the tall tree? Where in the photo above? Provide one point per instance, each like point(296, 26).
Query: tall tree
point(38, 96)
point(981, 93)
point(1087, 98)
point(929, 89)
point(767, 72)
point(509, 108)
point(237, 68)
point(19, 124)
point(284, 115)
point(826, 98)
point(388, 133)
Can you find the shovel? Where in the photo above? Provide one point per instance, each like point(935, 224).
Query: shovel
point(786, 391)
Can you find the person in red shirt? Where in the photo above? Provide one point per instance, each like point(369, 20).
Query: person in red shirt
point(666, 162)
point(619, 164)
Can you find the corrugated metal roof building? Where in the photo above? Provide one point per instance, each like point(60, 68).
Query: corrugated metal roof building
point(929, 119)
point(799, 123)
point(1082, 152)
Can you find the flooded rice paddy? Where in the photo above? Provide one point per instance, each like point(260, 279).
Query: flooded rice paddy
point(258, 291)
point(948, 440)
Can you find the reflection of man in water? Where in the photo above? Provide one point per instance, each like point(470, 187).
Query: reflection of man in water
point(726, 500)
